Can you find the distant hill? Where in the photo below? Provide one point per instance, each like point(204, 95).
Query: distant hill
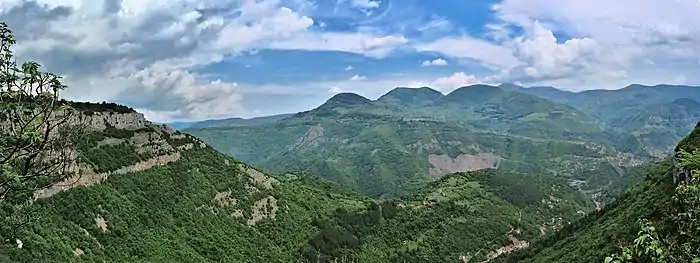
point(228, 122)
point(391, 146)
point(658, 116)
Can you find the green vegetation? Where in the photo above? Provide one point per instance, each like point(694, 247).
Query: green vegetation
point(653, 221)
point(31, 156)
point(229, 122)
point(89, 108)
point(170, 214)
point(656, 117)
point(462, 214)
point(372, 150)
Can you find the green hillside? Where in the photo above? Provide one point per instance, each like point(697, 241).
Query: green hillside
point(658, 198)
point(151, 194)
point(228, 122)
point(167, 197)
point(468, 215)
point(392, 146)
point(655, 116)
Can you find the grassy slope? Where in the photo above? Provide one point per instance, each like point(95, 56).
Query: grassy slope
point(656, 116)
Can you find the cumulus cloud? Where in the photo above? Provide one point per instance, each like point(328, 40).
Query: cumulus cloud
point(489, 54)
point(146, 53)
point(456, 80)
point(349, 68)
point(614, 40)
point(436, 62)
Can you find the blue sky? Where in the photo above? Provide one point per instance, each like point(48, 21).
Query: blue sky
point(201, 59)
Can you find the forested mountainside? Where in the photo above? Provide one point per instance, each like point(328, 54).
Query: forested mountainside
point(395, 145)
point(653, 221)
point(658, 116)
point(147, 193)
point(465, 217)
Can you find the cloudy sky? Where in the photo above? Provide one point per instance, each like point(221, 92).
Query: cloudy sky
point(202, 59)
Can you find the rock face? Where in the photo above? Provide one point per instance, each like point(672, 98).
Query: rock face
point(444, 164)
point(96, 121)
point(121, 121)
point(148, 139)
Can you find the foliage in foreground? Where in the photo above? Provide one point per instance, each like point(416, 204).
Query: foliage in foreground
point(676, 237)
point(32, 156)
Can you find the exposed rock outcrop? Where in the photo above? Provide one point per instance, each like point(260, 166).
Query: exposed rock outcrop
point(444, 164)
point(85, 177)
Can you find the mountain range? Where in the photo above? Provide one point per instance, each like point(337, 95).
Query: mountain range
point(409, 137)
point(482, 174)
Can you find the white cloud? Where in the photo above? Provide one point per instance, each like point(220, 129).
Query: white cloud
point(358, 78)
point(436, 62)
point(456, 80)
point(614, 40)
point(491, 55)
point(335, 90)
point(360, 43)
point(145, 52)
point(349, 68)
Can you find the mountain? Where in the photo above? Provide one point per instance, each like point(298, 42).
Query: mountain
point(411, 97)
point(228, 122)
point(147, 193)
point(657, 199)
point(657, 116)
point(386, 149)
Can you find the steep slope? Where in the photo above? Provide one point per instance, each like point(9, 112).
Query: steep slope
point(388, 147)
point(147, 193)
point(600, 235)
point(466, 217)
point(228, 122)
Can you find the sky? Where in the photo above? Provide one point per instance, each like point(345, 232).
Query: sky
point(186, 60)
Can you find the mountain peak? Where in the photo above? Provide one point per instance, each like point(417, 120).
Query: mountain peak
point(510, 87)
point(411, 96)
point(348, 99)
point(474, 93)
point(344, 100)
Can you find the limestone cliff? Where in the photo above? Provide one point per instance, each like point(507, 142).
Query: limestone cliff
point(117, 143)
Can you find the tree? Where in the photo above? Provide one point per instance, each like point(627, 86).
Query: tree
point(35, 135)
point(676, 238)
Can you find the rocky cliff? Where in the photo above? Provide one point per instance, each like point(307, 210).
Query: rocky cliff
point(116, 143)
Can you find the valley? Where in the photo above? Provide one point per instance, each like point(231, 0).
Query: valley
point(391, 186)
